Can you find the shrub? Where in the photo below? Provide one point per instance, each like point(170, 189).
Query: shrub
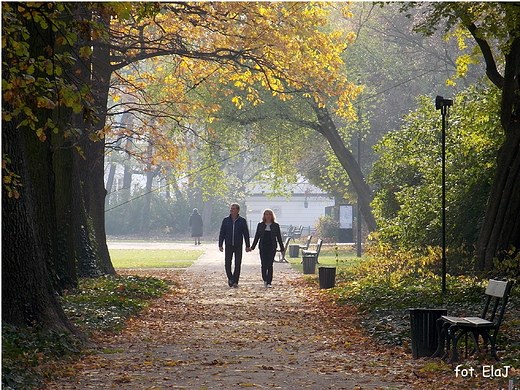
point(328, 228)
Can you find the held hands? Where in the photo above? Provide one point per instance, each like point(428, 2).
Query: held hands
point(222, 249)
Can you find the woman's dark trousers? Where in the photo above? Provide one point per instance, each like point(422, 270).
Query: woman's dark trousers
point(267, 260)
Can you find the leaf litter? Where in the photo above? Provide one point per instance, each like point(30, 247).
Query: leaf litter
point(205, 335)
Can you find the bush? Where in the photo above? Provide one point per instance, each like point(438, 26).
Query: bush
point(328, 229)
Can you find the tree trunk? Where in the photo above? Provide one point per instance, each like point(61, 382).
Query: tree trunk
point(91, 244)
point(207, 211)
point(63, 161)
point(28, 297)
point(50, 175)
point(96, 195)
point(147, 200)
point(101, 73)
point(500, 231)
point(349, 163)
point(110, 178)
point(39, 160)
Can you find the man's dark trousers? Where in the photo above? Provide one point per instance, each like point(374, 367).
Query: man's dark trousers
point(231, 250)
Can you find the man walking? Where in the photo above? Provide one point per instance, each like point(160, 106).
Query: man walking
point(232, 232)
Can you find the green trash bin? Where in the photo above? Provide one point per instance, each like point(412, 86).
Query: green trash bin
point(327, 277)
point(309, 265)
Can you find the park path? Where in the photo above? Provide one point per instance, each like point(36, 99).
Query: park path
point(205, 335)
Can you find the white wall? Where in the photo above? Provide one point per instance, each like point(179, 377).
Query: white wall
point(288, 211)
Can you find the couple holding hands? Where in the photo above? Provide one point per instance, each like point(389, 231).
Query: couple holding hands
point(234, 231)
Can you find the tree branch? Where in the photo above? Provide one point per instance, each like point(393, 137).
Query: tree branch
point(491, 66)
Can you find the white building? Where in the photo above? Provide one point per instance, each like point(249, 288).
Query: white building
point(305, 206)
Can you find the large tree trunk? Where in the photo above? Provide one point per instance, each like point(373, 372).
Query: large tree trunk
point(63, 161)
point(501, 228)
point(84, 234)
point(349, 163)
point(101, 73)
point(47, 166)
point(28, 296)
point(93, 255)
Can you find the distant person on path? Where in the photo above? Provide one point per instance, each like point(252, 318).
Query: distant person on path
point(268, 233)
point(196, 226)
point(233, 231)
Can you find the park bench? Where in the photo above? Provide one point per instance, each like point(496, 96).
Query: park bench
point(289, 231)
point(451, 329)
point(314, 253)
point(282, 258)
point(307, 243)
point(297, 232)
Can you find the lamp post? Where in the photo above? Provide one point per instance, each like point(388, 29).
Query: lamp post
point(443, 104)
point(358, 243)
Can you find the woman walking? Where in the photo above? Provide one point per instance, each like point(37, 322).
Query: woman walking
point(268, 234)
point(196, 226)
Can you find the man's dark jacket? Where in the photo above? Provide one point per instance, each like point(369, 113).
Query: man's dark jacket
point(233, 232)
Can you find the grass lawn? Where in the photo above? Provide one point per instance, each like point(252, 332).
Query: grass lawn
point(346, 257)
point(153, 258)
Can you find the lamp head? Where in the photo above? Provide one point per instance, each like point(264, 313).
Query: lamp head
point(441, 102)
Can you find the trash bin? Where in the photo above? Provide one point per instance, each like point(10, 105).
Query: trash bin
point(424, 330)
point(309, 265)
point(294, 250)
point(327, 277)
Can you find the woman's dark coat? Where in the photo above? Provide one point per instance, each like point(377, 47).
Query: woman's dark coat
point(276, 235)
point(196, 224)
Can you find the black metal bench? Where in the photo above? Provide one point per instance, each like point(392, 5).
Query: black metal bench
point(306, 245)
point(286, 247)
point(297, 232)
point(314, 253)
point(289, 232)
point(451, 329)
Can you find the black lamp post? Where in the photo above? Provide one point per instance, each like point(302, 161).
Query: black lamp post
point(443, 104)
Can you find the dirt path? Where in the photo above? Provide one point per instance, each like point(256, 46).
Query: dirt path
point(205, 335)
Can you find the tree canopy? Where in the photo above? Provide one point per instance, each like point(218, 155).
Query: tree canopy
point(60, 59)
point(408, 200)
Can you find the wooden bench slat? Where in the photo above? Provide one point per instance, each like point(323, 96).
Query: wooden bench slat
point(467, 321)
point(496, 288)
point(479, 321)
